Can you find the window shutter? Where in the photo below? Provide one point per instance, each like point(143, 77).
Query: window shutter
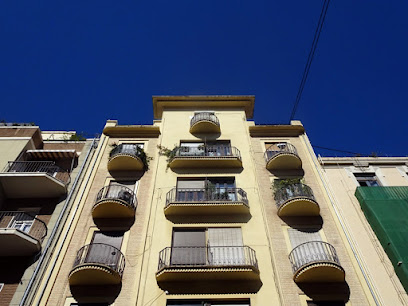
point(225, 236)
point(225, 246)
point(298, 237)
point(191, 184)
point(107, 238)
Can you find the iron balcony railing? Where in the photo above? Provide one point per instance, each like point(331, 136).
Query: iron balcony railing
point(312, 252)
point(208, 151)
point(293, 191)
point(126, 149)
point(101, 254)
point(119, 193)
point(48, 167)
point(23, 222)
point(198, 195)
point(204, 117)
point(278, 148)
point(207, 256)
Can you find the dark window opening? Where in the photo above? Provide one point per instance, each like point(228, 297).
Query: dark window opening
point(367, 179)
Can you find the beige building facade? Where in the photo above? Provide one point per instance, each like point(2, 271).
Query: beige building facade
point(343, 175)
point(204, 207)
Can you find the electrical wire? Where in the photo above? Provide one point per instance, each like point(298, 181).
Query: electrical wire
point(311, 56)
point(337, 150)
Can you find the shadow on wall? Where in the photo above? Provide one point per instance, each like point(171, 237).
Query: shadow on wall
point(185, 219)
point(96, 294)
point(212, 287)
point(325, 292)
point(302, 223)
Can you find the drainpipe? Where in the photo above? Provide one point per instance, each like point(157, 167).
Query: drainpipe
point(57, 224)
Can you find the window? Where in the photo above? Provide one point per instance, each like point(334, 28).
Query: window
point(210, 148)
point(273, 148)
point(23, 226)
point(121, 190)
point(131, 148)
point(210, 246)
point(298, 237)
point(206, 189)
point(367, 179)
point(22, 222)
point(99, 249)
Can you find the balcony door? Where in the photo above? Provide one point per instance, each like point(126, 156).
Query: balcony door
point(188, 247)
point(219, 148)
point(224, 188)
point(118, 190)
point(225, 246)
point(131, 148)
point(100, 250)
point(210, 189)
point(191, 190)
point(192, 149)
point(312, 252)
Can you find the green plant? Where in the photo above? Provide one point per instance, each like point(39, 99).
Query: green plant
point(279, 184)
point(139, 153)
point(77, 137)
point(144, 157)
point(170, 154)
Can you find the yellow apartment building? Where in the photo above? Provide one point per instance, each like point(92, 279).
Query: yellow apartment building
point(204, 207)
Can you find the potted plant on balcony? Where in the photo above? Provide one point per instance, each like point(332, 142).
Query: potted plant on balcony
point(287, 184)
point(139, 152)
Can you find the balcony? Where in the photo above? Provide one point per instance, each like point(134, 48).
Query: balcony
point(114, 205)
point(282, 156)
point(20, 233)
point(97, 264)
point(34, 179)
point(296, 200)
point(204, 123)
point(208, 269)
point(206, 201)
point(126, 157)
point(206, 156)
point(316, 261)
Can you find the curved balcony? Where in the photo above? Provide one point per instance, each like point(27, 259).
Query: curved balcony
point(280, 156)
point(316, 261)
point(34, 179)
point(206, 156)
point(218, 266)
point(204, 123)
point(206, 201)
point(20, 233)
point(113, 204)
point(97, 264)
point(126, 157)
point(296, 200)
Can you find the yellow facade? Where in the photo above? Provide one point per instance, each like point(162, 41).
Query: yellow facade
point(265, 277)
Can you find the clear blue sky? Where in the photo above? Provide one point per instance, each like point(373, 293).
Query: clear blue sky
point(72, 65)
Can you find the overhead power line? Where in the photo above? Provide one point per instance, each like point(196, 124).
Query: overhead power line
point(337, 150)
point(310, 57)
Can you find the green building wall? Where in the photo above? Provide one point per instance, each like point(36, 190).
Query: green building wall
point(386, 209)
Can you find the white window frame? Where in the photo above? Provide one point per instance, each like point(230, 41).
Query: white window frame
point(22, 225)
